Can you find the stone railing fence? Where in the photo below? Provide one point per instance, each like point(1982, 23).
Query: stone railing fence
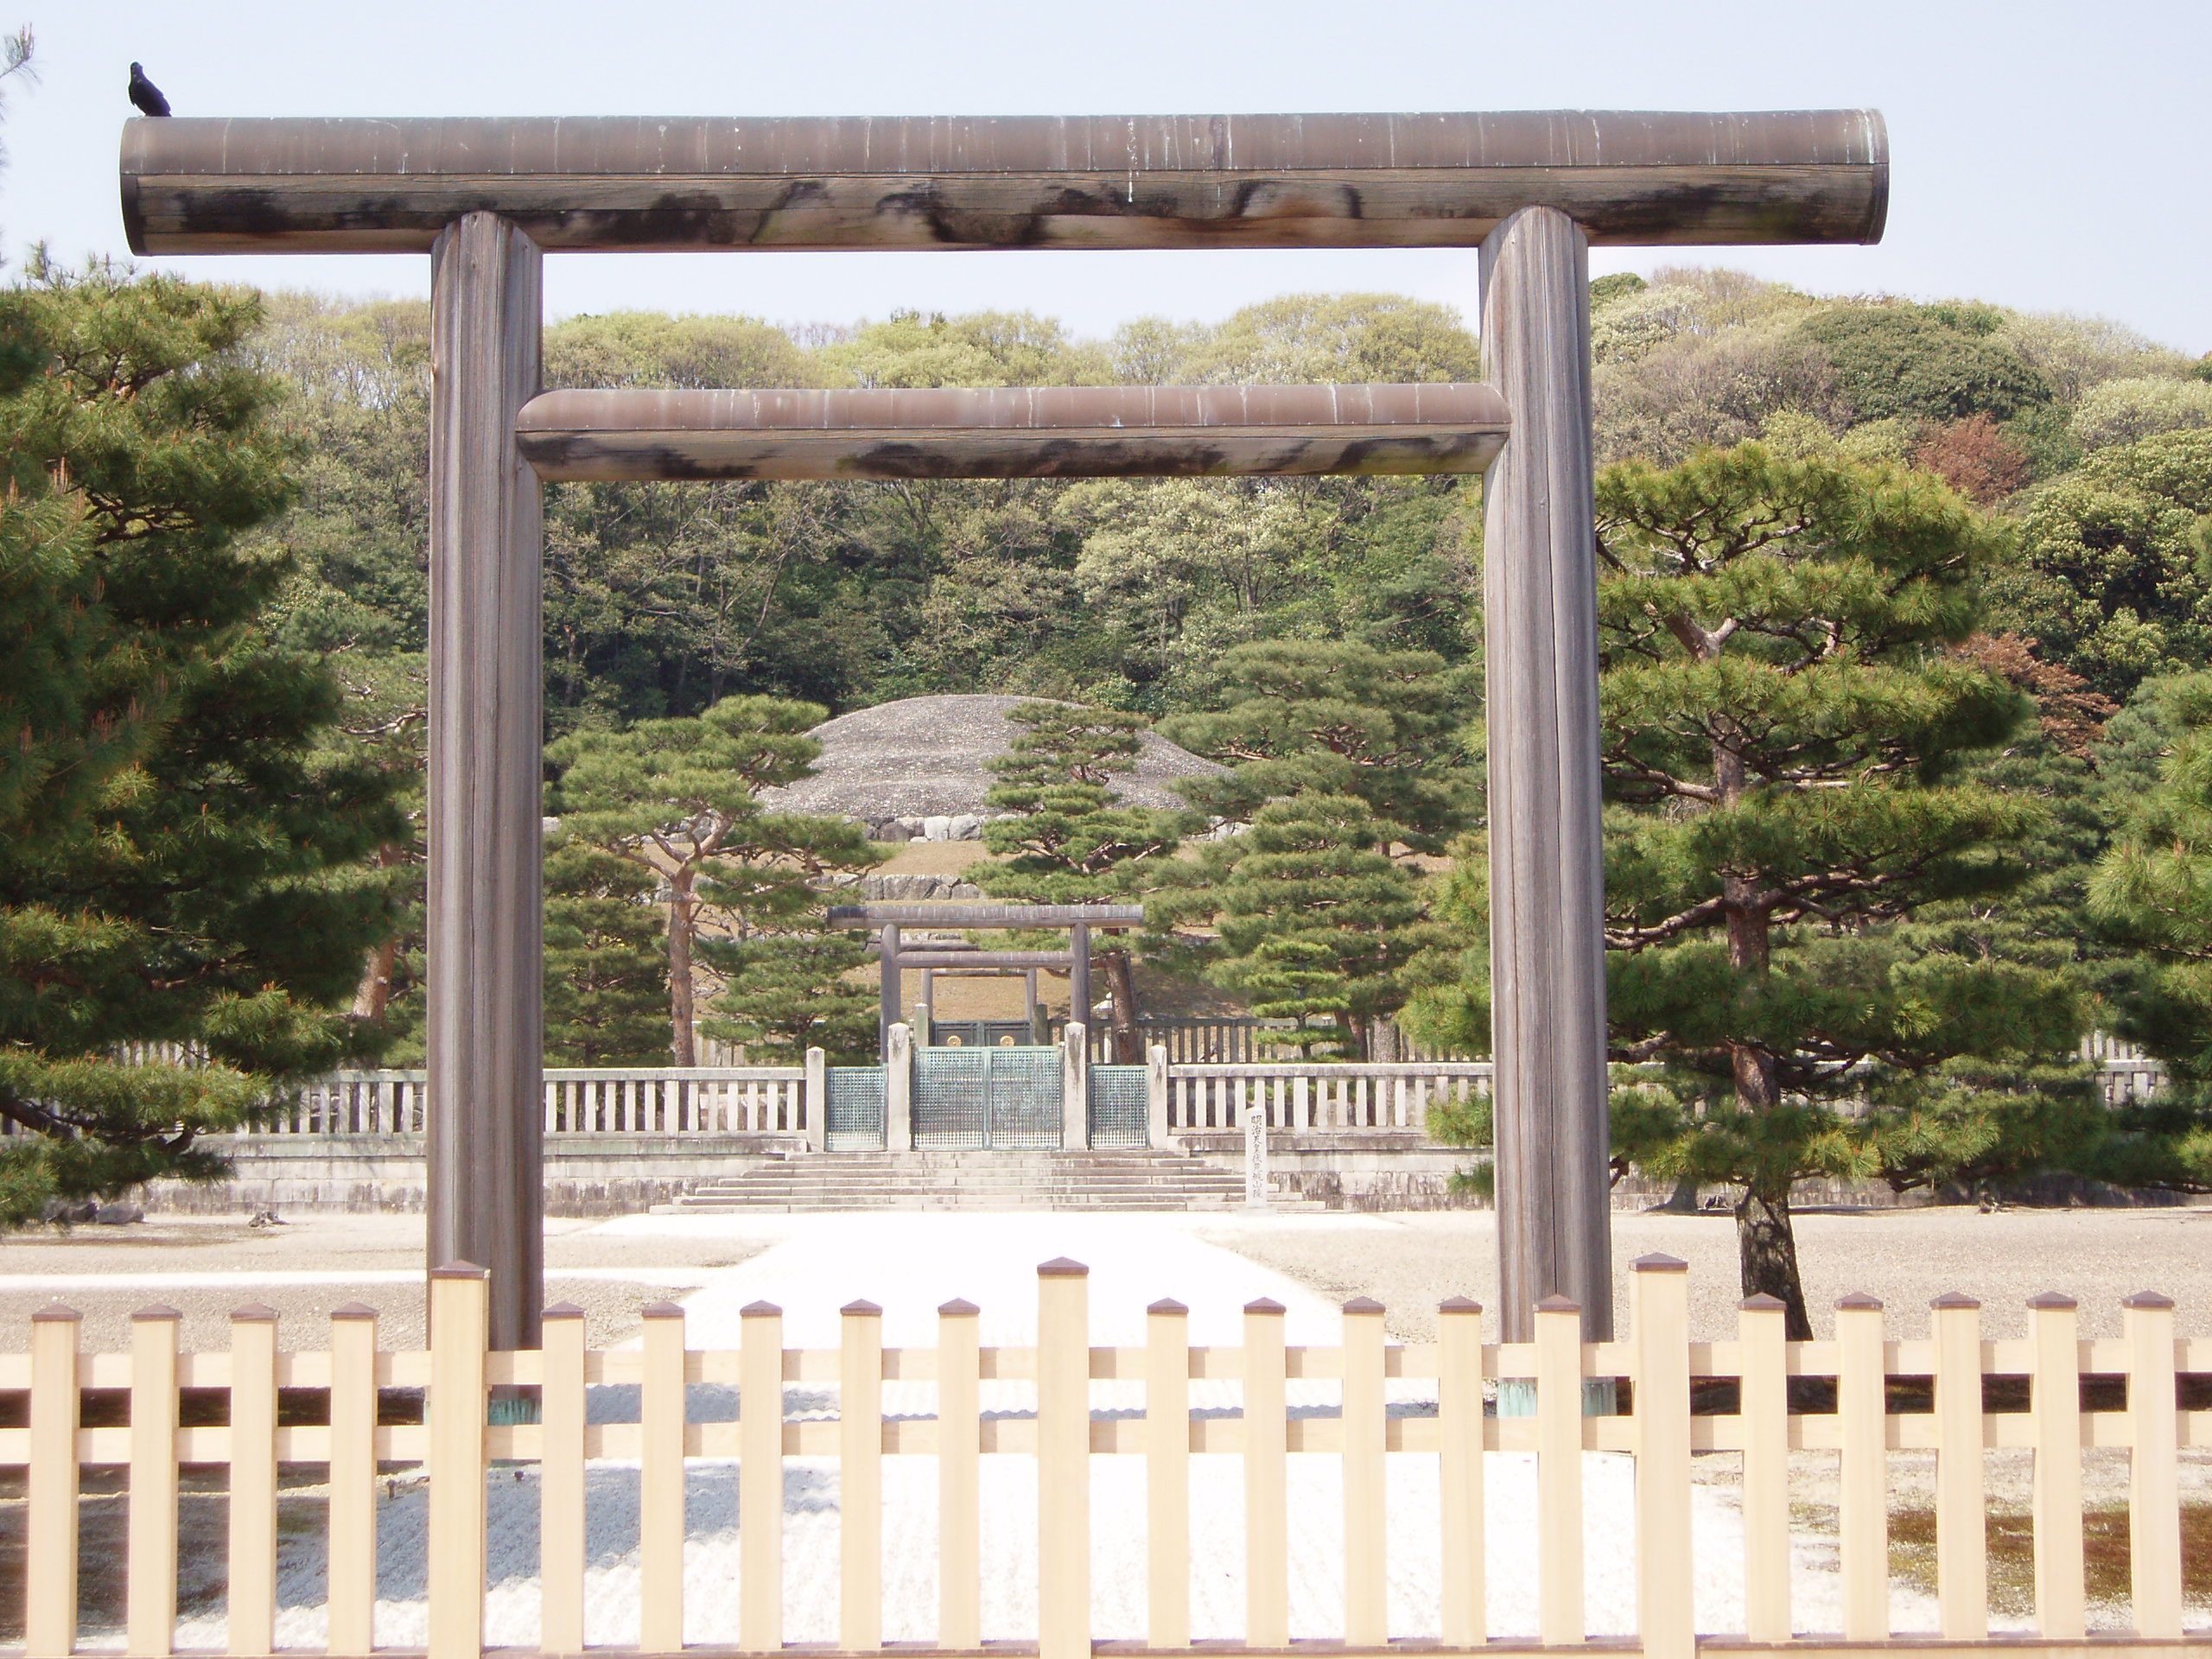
point(1319, 1095)
point(578, 1100)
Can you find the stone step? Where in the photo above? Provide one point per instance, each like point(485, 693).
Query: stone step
point(979, 1179)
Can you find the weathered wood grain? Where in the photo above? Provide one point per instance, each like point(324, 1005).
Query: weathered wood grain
point(984, 959)
point(961, 915)
point(486, 1013)
point(1547, 879)
point(1013, 432)
point(1444, 180)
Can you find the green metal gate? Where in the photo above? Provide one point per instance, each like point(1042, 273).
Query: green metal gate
point(967, 1098)
point(1121, 1106)
point(852, 1121)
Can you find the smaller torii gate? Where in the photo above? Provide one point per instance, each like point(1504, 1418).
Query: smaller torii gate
point(1078, 919)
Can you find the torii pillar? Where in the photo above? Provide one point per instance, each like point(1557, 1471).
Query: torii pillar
point(486, 1013)
point(1547, 943)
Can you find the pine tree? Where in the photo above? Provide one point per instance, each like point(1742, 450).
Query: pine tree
point(1313, 922)
point(1066, 840)
point(1346, 761)
point(605, 960)
point(679, 799)
point(182, 858)
point(788, 984)
point(1783, 739)
point(786, 992)
point(2153, 889)
point(1339, 718)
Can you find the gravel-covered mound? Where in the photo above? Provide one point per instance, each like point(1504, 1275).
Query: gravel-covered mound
point(899, 765)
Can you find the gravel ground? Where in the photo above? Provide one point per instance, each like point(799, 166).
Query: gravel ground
point(204, 1266)
point(1410, 1262)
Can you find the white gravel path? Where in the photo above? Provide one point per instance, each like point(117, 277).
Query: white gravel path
point(909, 1264)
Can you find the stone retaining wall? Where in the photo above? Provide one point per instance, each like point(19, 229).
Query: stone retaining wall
point(585, 1174)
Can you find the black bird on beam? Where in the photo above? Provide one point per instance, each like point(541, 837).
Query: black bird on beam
point(147, 96)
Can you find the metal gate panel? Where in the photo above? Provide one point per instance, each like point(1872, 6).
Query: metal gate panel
point(969, 1098)
point(853, 1118)
point(1121, 1106)
point(980, 1033)
point(952, 1090)
point(1025, 1096)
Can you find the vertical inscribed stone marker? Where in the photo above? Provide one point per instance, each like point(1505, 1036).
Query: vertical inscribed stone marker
point(1539, 596)
point(486, 1011)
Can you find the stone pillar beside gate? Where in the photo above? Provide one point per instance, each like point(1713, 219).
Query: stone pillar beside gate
point(899, 1089)
point(817, 1100)
point(1156, 1098)
point(1075, 1086)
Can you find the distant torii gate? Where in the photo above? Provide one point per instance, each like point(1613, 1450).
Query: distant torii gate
point(1533, 190)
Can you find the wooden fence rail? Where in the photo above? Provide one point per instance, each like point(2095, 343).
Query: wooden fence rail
point(457, 1446)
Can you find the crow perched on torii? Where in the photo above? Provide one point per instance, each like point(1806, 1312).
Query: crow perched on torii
point(147, 96)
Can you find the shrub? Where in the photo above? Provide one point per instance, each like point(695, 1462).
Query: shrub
point(1935, 363)
point(2127, 412)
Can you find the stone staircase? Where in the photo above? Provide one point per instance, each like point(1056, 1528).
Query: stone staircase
point(1135, 1180)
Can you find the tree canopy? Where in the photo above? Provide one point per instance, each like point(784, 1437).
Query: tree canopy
point(186, 870)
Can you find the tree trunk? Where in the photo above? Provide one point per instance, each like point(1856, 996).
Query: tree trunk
point(681, 907)
point(1682, 1201)
point(1767, 1250)
point(1121, 985)
point(374, 995)
point(1765, 1245)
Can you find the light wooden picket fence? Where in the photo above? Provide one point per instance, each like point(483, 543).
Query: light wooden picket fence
point(1301, 1096)
point(1658, 1361)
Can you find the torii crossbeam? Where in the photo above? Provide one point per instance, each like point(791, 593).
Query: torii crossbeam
point(1533, 190)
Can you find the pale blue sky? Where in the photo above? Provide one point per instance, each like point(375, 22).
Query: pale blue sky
point(2053, 156)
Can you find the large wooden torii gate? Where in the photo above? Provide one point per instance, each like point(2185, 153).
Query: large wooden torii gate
point(484, 198)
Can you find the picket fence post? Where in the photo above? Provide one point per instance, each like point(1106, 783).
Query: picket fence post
point(1167, 1473)
point(660, 1480)
point(761, 1478)
point(352, 1528)
point(1559, 1471)
point(460, 1310)
point(50, 1519)
point(2153, 1487)
point(1267, 1434)
point(1063, 1458)
point(1459, 1408)
point(561, 1481)
point(251, 1598)
point(1367, 1606)
point(1962, 1535)
point(1863, 1496)
point(2054, 1398)
point(959, 1488)
point(1762, 1329)
point(150, 1614)
point(1665, 1568)
point(859, 1478)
